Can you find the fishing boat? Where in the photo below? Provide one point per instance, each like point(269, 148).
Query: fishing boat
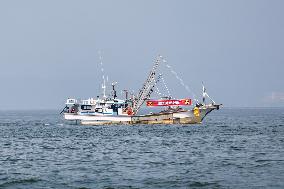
point(109, 110)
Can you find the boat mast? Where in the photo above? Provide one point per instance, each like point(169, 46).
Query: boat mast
point(204, 94)
point(114, 95)
point(147, 88)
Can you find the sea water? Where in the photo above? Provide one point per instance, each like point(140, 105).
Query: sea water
point(232, 148)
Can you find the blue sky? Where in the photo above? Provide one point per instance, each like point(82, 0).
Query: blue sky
point(49, 49)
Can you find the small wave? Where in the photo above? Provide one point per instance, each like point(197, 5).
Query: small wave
point(21, 181)
point(203, 184)
point(268, 160)
point(236, 148)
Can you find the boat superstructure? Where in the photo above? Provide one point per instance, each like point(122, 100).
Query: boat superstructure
point(98, 109)
point(108, 109)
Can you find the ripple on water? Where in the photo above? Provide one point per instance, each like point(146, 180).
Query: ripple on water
point(232, 149)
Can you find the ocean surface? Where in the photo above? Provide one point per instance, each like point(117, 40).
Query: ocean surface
point(232, 148)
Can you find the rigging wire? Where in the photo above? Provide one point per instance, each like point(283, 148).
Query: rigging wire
point(166, 87)
point(157, 90)
point(180, 80)
point(103, 75)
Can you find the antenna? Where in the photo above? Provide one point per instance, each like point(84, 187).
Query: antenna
point(126, 94)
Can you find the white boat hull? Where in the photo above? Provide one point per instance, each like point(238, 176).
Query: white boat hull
point(182, 117)
point(74, 117)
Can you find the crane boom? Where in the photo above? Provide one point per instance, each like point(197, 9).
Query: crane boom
point(148, 87)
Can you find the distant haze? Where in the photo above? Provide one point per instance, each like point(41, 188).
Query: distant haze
point(49, 49)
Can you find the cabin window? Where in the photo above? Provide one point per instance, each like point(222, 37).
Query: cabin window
point(86, 107)
point(98, 110)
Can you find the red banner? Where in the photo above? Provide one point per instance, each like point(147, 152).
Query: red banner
point(178, 102)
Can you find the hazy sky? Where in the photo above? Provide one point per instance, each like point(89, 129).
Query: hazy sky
point(49, 49)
